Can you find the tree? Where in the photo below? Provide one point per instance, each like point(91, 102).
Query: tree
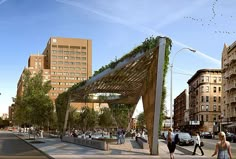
point(105, 118)
point(74, 118)
point(88, 118)
point(61, 104)
point(121, 113)
point(141, 120)
point(34, 107)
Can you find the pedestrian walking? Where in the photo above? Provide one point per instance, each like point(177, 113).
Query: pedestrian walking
point(223, 148)
point(171, 143)
point(118, 136)
point(123, 133)
point(197, 144)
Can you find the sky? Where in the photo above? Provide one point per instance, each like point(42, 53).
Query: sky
point(115, 28)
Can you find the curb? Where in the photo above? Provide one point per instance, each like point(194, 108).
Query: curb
point(50, 157)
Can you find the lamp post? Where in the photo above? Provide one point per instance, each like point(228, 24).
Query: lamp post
point(171, 74)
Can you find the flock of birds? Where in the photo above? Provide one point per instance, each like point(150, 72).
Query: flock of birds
point(212, 20)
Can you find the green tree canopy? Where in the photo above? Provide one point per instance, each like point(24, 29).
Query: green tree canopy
point(141, 121)
point(105, 118)
point(121, 113)
point(61, 104)
point(34, 107)
point(88, 118)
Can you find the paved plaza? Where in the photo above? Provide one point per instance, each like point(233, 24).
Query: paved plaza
point(54, 148)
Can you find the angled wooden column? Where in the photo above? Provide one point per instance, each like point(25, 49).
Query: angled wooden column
point(153, 96)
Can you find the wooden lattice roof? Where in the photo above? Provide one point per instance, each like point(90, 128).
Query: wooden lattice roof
point(140, 73)
point(126, 79)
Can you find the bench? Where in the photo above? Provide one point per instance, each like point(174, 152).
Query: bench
point(142, 142)
point(97, 144)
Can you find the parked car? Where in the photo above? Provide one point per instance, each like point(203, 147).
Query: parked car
point(185, 139)
point(231, 137)
point(164, 134)
point(207, 135)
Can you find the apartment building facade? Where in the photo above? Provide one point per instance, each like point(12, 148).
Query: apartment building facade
point(180, 106)
point(205, 100)
point(229, 87)
point(65, 62)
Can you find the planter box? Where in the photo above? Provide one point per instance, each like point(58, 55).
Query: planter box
point(97, 144)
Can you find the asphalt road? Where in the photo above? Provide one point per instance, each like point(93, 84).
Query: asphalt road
point(15, 148)
point(209, 147)
point(211, 143)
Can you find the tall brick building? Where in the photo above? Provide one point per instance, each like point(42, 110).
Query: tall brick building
point(65, 62)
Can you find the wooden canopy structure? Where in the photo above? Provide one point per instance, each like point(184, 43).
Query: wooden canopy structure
point(139, 74)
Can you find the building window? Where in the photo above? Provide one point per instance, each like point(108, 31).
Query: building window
point(202, 107)
point(219, 108)
point(202, 89)
point(214, 118)
point(66, 52)
point(202, 78)
point(207, 79)
point(207, 98)
point(215, 79)
point(206, 117)
point(214, 108)
point(214, 99)
point(214, 89)
point(219, 79)
point(83, 53)
point(207, 88)
point(219, 99)
point(207, 108)
point(202, 98)
point(219, 89)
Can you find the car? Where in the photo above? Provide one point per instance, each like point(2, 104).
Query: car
point(231, 137)
point(206, 135)
point(10, 128)
point(164, 134)
point(185, 139)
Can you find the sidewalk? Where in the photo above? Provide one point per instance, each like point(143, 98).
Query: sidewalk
point(56, 149)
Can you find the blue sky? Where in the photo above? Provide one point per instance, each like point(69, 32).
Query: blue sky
point(115, 28)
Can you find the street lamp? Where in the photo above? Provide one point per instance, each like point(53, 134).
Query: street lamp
point(171, 72)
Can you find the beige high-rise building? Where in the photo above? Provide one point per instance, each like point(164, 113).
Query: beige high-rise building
point(205, 100)
point(229, 87)
point(65, 62)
